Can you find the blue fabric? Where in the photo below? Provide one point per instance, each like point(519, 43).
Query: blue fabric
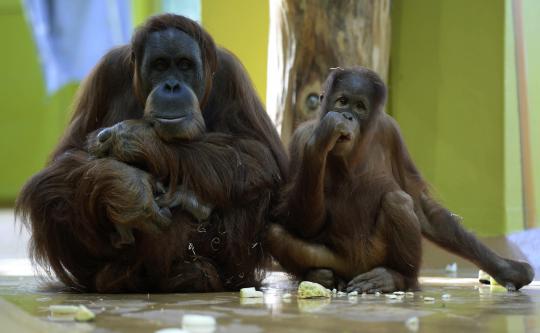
point(187, 8)
point(72, 35)
point(528, 241)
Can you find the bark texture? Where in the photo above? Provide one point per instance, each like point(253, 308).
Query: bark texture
point(307, 38)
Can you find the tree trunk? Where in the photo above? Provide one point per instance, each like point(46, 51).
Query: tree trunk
point(307, 38)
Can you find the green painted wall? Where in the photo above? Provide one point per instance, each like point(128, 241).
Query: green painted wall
point(242, 27)
point(446, 92)
point(142, 9)
point(30, 121)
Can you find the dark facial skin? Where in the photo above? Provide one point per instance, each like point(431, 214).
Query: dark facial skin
point(351, 94)
point(171, 55)
point(348, 108)
point(171, 75)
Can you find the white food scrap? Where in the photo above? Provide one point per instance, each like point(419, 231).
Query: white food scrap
point(84, 314)
point(72, 312)
point(250, 293)
point(452, 268)
point(412, 324)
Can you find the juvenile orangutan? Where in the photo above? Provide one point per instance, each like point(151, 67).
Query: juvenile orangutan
point(355, 207)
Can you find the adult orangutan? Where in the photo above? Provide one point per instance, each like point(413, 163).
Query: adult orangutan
point(355, 206)
point(102, 182)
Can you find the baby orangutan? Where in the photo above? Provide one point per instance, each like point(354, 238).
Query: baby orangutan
point(171, 115)
point(355, 207)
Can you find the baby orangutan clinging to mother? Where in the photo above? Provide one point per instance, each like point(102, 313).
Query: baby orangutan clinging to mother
point(171, 116)
point(355, 207)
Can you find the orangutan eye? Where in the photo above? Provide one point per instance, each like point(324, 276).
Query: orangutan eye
point(185, 64)
point(361, 106)
point(342, 101)
point(160, 64)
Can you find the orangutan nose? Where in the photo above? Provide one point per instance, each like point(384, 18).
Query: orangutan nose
point(347, 116)
point(171, 86)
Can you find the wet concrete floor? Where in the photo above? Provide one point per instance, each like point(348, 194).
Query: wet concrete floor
point(470, 307)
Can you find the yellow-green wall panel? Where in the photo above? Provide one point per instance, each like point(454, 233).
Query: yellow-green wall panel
point(142, 9)
point(30, 121)
point(242, 27)
point(446, 92)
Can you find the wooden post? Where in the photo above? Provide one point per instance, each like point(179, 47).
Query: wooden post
point(307, 38)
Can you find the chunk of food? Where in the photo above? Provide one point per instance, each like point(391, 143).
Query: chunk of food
point(84, 314)
point(308, 289)
point(485, 278)
point(250, 293)
point(72, 312)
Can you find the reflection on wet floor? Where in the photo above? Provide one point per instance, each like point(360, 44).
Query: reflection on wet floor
point(467, 307)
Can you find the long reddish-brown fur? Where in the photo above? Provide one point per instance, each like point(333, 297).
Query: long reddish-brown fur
point(332, 208)
point(69, 206)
